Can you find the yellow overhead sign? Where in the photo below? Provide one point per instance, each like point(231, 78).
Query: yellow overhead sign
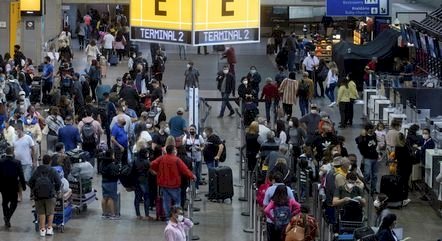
point(197, 22)
point(162, 14)
point(30, 7)
point(226, 14)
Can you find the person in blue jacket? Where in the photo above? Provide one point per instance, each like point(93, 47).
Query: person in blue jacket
point(69, 135)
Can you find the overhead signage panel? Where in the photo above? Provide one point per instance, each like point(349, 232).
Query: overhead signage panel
point(161, 20)
point(357, 8)
point(213, 21)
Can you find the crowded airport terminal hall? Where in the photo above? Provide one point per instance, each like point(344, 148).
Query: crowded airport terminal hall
point(221, 120)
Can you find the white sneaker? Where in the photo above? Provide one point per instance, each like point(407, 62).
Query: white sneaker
point(49, 231)
point(42, 232)
point(406, 202)
point(332, 104)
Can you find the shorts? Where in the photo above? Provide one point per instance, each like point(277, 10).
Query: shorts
point(110, 190)
point(45, 206)
point(27, 171)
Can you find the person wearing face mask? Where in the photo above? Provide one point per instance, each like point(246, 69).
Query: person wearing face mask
point(348, 193)
point(47, 77)
point(271, 96)
point(117, 86)
point(160, 115)
point(380, 205)
point(160, 136)
point(120, 141)
point(194, 144)
point(178, 225)
point(426, 143)
point(157, 92)
point(128, 111)
point(254, 79)
point(385, 231)
point(131, 96)
point(226, 85)
point(289, 89)
point(310, 63)
point(310, 123)
point(367, 145)
point(191, 80)
point(244, 89)
point(292, 45)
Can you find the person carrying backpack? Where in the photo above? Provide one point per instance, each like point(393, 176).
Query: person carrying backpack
point(45, 184)
point(90, 131)
point(279, 212)
point(12, 90)
point(305, 93)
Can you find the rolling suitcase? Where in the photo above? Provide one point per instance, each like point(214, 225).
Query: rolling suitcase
point(159, 209)
point(113, 59)
point(392, 186)
point(220, 183)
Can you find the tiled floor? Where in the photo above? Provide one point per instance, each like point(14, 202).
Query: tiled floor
point(218, 222)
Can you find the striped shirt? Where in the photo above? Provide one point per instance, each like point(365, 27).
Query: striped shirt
point(289, 88)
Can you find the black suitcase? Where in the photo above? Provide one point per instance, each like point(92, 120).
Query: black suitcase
point(391, 185)
point(360, 233)
point(220, 183)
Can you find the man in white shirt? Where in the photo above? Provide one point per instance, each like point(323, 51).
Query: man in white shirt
point(310, 64)
point(24, 152)
point(108, 41)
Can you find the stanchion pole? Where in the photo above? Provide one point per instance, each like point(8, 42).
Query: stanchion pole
point(190, 210)
point(257, 224)
point(252, 220)
point(247, 184)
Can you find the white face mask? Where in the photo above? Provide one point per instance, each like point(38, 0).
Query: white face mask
point(188, 66)
point(124, 108)
point(290, 123)
point(225, 71)
point(426, 136)
point(134, 56)
point(119, 83)
point(314, 111)
point(159, 109)
point(167, 130)
point(149, 125)
point(29, 121)
point(180, 218)
point(376, 203)
point(204, 135)
point(335, 152)
point(252, 71)
point(350, 185)
point(245, 82)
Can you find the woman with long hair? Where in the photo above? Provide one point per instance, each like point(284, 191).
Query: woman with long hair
point(252, 145)
point(404, 165)
point(92, 51)
point(347, 94)
point(119, 45)
point(280, 132)
point(141, 168)
point(280, 201)
point(385, 232)
point(331, 81)
point(94, 74)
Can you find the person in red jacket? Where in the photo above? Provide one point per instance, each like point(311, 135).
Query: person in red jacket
point(270, 94)
point(169, 169)
point(231, 59)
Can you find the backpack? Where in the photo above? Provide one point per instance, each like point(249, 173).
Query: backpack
point(66, 83)
point(303, 89)
point(88, 133)
point(282, 216)
point(12, 91)
point(44, 188)
point(260, 195)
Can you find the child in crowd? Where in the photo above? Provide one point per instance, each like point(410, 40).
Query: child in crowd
point(103, 66)
point(381, 134)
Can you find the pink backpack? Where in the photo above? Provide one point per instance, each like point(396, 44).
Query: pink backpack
point(261, 193)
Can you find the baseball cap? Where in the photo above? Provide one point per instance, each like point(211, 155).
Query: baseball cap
point(180, 110)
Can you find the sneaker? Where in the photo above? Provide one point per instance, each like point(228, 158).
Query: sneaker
point(42, 232)
point(49, 231)
point(233, 113)
point(114, 217)
point(104, 216)
point(332, 104)
point(406, 202)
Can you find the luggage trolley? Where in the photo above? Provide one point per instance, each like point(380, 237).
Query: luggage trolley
point(63, 212)
point(82, 194)
point(351, 218)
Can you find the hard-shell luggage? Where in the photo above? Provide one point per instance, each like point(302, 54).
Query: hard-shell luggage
point(392, 186)
point(220, 183)
point(362, 232)
point(101, 89)
point(36, 85)
point(113, 59)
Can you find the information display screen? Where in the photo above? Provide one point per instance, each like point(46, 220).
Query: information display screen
point(30, 7)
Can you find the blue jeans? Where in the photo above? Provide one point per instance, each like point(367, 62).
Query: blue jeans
point(303, 105)
point(169, 195)
point(268, 107)
point(187, 97)
point(330, 92)
point(371, 173)
point(211, 164)
point(225, 103)
point(142, 193)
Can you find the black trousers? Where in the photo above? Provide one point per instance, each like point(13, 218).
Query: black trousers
point(288, 108)
point(9, 203)
point(273, 234)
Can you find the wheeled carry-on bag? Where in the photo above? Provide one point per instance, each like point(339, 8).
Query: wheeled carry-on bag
point(220, 183)
point(392, 186)
point(113, 59)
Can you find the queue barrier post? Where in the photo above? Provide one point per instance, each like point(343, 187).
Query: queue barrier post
point(252, 208)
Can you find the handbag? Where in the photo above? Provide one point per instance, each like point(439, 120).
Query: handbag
point(296, 232)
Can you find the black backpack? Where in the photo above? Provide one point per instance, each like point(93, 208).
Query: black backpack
point(12, 91)
point(88, 134)
point(223, 156)
point(44, 188)
point(303, 89)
